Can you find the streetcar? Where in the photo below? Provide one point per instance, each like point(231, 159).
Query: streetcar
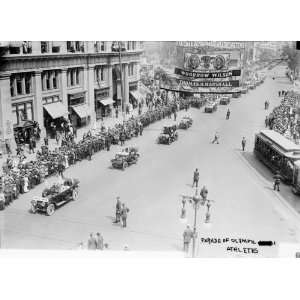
point(277, 153)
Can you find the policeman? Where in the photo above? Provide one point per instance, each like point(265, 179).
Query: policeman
point(118, 210)
point(124, 212)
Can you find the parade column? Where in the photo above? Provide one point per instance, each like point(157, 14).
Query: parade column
point(38, 102)
point(6, 117)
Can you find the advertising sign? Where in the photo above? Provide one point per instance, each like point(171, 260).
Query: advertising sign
point(198, 62)
point(214, 74)
point(227, 83)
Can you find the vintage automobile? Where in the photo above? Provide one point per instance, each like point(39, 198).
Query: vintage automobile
point(125, 158)
point(211, 107)
point(168, 135)
point(55, 196)
point(225, 100)
point(185, 123)
point(244, 90)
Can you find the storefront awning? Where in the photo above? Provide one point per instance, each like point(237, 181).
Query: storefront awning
point(56, 110)
point(82, 110)
point(136, 95)
point(108, 101)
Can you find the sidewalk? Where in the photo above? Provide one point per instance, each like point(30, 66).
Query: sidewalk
point(107, 122)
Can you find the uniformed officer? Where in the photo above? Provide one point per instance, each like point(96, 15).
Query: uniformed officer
point(124, 212)
point(118, 210)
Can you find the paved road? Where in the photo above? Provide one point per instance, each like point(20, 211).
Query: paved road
point(245, 205)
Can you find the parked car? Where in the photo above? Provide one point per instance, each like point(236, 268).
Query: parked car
point(55, 196)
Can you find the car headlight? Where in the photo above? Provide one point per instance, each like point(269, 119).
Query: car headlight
point(33, 202)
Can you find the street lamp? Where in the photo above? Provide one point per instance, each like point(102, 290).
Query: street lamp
point(196, 201)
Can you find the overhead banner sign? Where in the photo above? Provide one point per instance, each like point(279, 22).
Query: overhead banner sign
point(214, 62)
point(217, 44)
point(194, 74)
point(191, 83)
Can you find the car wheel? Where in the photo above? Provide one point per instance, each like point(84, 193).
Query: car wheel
point(33, 209)
point(75, 194)
point(125, 165)
point(50, 209)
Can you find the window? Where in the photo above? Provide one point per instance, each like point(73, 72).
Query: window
point(99, 73)
point(73, 76)
point(19, 80)
point(51, 99)
point(55, 80)
point(131, 69)
point(27, 47)
point(50, 80)
point(77, 46)
point(77, 76)
point(12, 88)
point(44, 47)
point(27, 83)
point(102, 46)
point(21, 112)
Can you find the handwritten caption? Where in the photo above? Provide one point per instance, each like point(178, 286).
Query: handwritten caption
point(238, 245)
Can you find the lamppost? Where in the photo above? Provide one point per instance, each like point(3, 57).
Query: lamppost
point(196, 201)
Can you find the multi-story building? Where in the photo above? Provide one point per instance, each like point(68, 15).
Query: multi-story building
point(80, 81)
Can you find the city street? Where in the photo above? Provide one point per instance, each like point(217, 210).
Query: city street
point(245, 205)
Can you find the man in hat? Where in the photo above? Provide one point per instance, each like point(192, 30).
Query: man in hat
point(124, 212)
point(228, 114)
point(187, 237)
point(92, 243)
point(277, 180)
point(118, 210)
point(196, 178)
point(243, 143)
point(216, 138)
point(99, 241)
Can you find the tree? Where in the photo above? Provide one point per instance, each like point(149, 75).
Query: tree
point(293, 58)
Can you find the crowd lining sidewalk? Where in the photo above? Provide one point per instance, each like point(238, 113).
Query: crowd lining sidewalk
point(107, 122)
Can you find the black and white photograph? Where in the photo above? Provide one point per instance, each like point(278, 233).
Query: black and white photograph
point(149, 150)
point(184, 146)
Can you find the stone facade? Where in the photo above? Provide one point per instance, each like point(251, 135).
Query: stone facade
point(36, 74)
